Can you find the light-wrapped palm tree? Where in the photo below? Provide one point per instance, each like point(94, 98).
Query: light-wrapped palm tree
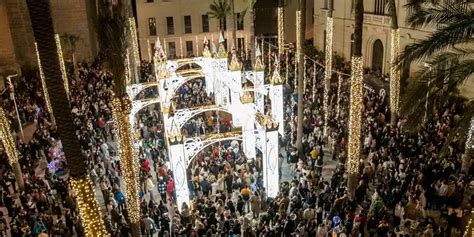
point(356, 100)
point(300, 38)
point(394, 70)
point(328, 64)
point(81, 183)
point(9, 146)
point(113, 40)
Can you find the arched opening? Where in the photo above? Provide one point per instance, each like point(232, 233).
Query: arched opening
point(377, 56)
point(192, 93)
point(188, 66)
point(208, 122)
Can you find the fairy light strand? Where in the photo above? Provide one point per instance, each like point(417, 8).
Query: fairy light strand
point(89, 210)
point(339, 84)
point(62, 66)
point(328, 71)
point(298, 40)
point(314, 83)
point(133, 32)
point(355, 115)
point(394, 72)
point(43, 85)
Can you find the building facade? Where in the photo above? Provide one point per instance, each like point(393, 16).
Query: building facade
point(182, 25)
point(376, 31)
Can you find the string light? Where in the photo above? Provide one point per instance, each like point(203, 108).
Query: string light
point(43, 84)
point(355, 115)
point(120, 110)
point(314, 82)
point(304, 73)
point(62, 66)
point(89, 210)
point(281, 30)
point(339, 84)
point(7, 138)
point(328, 71)
point(469, 227)
point(269, 58)
point(287, 65)
point(394, 72)
point(133, 32)
point(469, 135)
point(128, 71)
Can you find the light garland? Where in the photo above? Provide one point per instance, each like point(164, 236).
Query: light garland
point(328, 71)
point(148, 49)
point(89, 210)
point(469, 227)
point(469, 135)
point(281, 30)
point(62, 66)
point(269, 58)
point(304, 74)
point(339, 84)
point(7, 138)
point(43, 84)
point(133, 32)
point(120, 110)
point(394, 72)
point(287, 65)
point(355, 115)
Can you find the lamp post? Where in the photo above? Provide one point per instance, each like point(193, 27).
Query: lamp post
point(12, 97)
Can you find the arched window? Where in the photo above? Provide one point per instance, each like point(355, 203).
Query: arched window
point(377, 56)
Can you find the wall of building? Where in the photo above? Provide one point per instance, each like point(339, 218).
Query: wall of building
point(178, 9)
point(69, 16)
point(376, 27)
point(7, 49)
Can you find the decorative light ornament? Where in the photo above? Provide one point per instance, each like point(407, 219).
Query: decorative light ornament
point(128, 71)
point(328, 71)
point(89, 210)
point(298, 40)
point(355, 115)
point(43, 84)
point(304, 74)
point(133, 32)
point(394, 72)
point(287, 65)
point(62, 65)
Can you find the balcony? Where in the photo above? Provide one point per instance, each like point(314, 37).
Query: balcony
point(377, 19)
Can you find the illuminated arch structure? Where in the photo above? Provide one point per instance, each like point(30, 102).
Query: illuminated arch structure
point(251, 126)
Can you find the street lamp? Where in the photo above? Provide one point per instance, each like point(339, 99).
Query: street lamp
point(12, 97)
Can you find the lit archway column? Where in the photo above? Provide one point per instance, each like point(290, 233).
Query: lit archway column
point(259, 95)
point(270, 160)
point(178, 166)
point(276, 97)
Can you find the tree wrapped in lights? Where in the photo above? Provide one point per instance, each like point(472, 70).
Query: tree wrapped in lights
point(394, 70)
point(300, 36)
point(114, 42)
point(328, 65)
point(356, 101)
point(9, 146)
point(61, 64)
point(81, 184)
point(43, 85)
point(281, 28)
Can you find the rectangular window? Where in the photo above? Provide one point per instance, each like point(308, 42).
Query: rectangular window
point(205, 23)
point(170, 25)
point(241, 43)
point(187, 25)
point(240, 21)
point(379, 8)
point(189, 48)
point(149, 0)
point(152, 25)
point(171, 50)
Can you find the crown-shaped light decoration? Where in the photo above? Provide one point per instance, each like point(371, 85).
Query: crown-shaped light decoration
point(246, 97)
point(222, 52)
point(160, 60)
point(258, 60)
point(266, 121)
point(235, 65)
point(276, 78)
point(206, 52)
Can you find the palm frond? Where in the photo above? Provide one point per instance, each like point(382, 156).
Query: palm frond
point(445, 37)
point(460, 127)
point(437, 14)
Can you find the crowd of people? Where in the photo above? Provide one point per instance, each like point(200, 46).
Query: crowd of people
point(409, 184)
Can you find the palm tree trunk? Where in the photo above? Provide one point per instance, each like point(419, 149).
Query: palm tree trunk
point(301, 21)
point(281, 28)
point(10, 148)
point(234, 24)
point(356, 103)
point(394, 70)
point(42, 24)
point(328, 69)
